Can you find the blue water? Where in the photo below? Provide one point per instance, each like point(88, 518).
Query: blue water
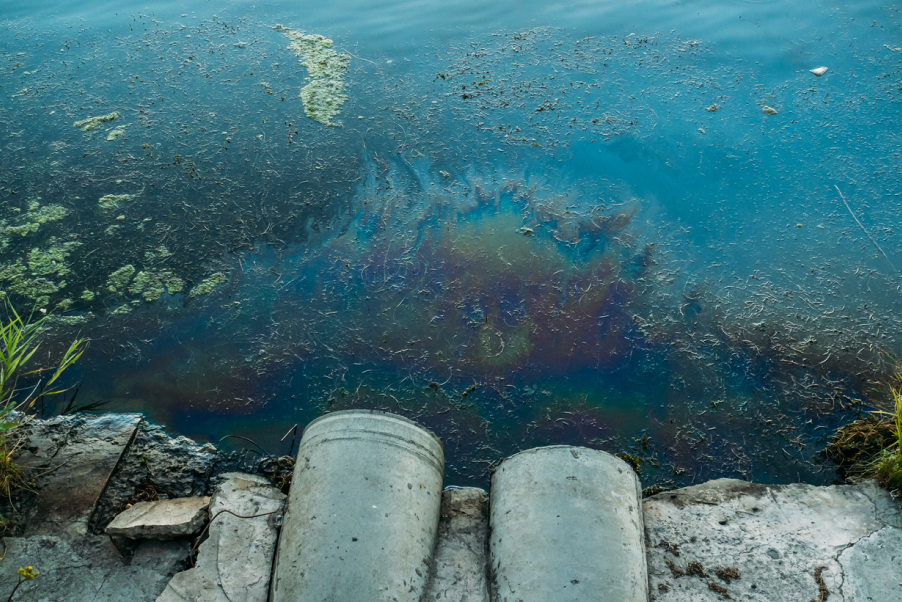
point(536, 223)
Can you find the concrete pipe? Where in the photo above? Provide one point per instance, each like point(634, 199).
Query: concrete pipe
point(363, 511)
point(566, 526)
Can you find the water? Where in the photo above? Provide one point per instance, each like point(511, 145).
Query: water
point(531, 224)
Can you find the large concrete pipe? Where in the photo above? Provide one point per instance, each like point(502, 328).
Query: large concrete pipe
point(567, 527)
point(363, 511)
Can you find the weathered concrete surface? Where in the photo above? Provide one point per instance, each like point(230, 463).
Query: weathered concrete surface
point(567, 527)
point(235, 563)
point(71, 459)
point(459, 570)
point(175, 466)
point(164, 519)
point(768, 543)
point(91, 569)
point(364, 511)
point(873, 567)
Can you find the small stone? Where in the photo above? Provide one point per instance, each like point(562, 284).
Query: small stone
point(768, 110)
point(164, 519)
point(819, 71)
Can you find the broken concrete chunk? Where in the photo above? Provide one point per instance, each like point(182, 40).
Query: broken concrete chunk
point(235, 562)
point(459, 568)
point(873, 567)
point(164, 519)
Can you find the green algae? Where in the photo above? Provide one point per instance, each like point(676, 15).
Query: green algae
point(30, 221)
point(64, 304)
point(157, 254)
point(207, 285)
point(70, 320)
point(31, 280)
point(119, 279)
point(87, 296)
point(86, 125)
point(324, 96)
point(122, 310)
point(110, 230)
point(51, 261)
point(112, 201)
point(116, 134)
point(152, 284)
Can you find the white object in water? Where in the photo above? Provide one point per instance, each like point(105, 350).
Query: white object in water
point(819, 71)
point(768, 110)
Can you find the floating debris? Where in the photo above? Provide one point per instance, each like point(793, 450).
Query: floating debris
point(323, 97)
point(712, 108)
point(768, 110)
point(890, 48)
point(819, 71)
point(152, 284)
point(86, 125)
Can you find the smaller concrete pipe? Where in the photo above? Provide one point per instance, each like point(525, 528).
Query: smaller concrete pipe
point(566, 526)
point(363, 511)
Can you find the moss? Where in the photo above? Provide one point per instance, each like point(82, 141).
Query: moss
point(64, 304)
point(86, 125)
point(119, 279)
point(324, 96)
point(111, 201)
point(207, 285)
point(889, 470)
point(87, 296)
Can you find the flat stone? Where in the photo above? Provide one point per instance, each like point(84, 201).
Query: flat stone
point(163, 519)
point(235, 563)
point(772, 543)
point(460, 565)
point(71, 460)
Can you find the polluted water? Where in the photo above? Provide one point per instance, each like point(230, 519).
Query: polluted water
point(670, 234)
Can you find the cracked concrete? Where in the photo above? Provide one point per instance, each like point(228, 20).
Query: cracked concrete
point(235, 563)
point(728, 539)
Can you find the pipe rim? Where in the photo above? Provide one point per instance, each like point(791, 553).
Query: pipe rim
point(388, 415)
point(546, 448)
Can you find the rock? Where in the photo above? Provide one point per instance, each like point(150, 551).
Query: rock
point(459, 568)
point(235, 563)
point(71, 459)
point(768, 110)
point(819, 71)
point(175, 467)
point(164, 519)
point(772, 543)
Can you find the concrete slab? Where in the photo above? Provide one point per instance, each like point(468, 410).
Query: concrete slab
point(873, 567)
point(460, 567)
point(731, 539)
point(164, 519)
point(91, 570)
point(234, 564)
